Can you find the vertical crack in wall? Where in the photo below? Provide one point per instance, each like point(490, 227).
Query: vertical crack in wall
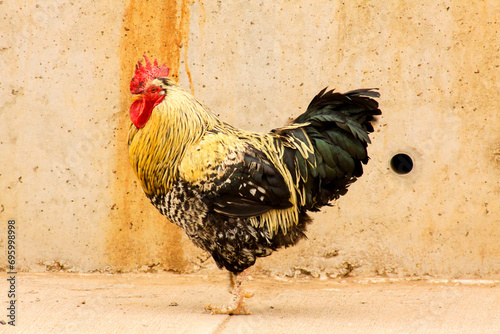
point(137, 234)
point(184, 29)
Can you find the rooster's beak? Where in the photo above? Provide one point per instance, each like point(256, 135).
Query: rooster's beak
point(136, 97)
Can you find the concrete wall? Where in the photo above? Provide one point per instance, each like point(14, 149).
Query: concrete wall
point(65, 176)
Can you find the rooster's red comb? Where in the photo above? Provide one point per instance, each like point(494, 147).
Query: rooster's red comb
point(146, 73)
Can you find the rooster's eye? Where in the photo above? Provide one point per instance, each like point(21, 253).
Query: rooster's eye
point(153, 90)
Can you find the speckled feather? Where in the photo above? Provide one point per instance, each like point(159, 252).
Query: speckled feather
point(241, 195)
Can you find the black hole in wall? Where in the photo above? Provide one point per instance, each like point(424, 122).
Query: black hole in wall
point(401, 163)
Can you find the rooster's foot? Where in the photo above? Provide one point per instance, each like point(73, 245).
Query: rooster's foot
point(236, 307)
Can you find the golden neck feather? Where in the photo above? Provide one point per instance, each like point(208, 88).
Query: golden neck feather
point(156, 150)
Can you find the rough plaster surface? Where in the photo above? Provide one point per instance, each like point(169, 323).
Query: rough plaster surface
point(64, 102)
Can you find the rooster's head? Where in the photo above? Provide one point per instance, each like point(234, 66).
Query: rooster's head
point(146, 94)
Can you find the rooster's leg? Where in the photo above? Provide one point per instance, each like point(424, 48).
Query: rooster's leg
point(232, 281)
point(236, 288)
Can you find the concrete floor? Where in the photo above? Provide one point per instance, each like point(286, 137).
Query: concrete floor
point(170, 303)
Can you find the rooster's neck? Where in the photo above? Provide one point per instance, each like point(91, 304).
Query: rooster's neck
point(157, 149)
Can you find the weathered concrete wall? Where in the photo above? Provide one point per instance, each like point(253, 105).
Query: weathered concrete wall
point(64, 102)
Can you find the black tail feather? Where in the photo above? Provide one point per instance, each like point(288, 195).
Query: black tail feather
point(337, 125)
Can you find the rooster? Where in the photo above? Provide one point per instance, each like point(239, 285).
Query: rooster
point(241, 195)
